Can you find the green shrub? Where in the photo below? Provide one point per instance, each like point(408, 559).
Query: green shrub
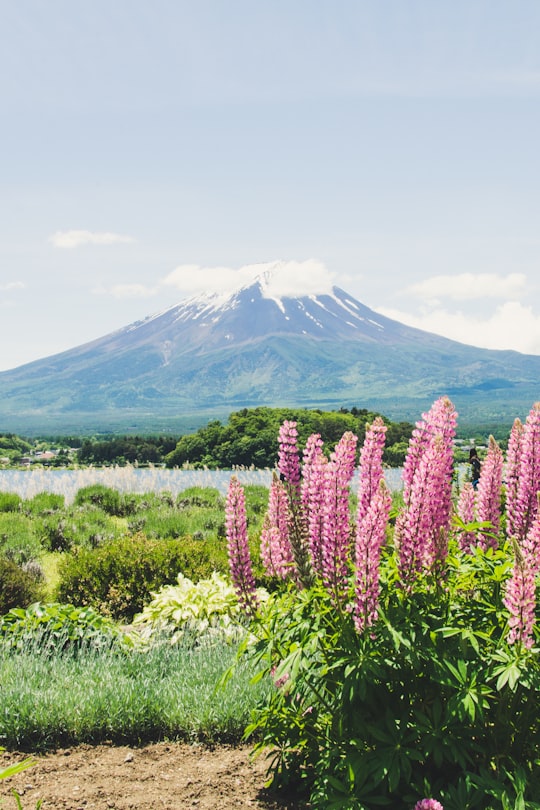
point(206, 610)
point(44, 503)
point(18, 539)
point(17, 587)
point(54, 627)
point(106, 498)
point(86, 526)
point(118, 578)
point(201, 497)
point(9, 502)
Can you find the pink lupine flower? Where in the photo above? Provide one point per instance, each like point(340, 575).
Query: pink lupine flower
point(371, 467)
point(237, 546)
point(488, 501)
point(312, 457)
point(288, 456)
point(422, 526)
point(336, 516)
point(313, 481)
point(370, 536)
point(466, 510)
point(276, 551)
point(520, 591)
point(414, 527)
point(529, 475)
point(513, 461)
point(289, 469)
point(428, 804)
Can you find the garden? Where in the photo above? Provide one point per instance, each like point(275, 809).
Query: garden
point(373, 649)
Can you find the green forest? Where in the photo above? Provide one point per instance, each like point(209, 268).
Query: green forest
point(247, 439)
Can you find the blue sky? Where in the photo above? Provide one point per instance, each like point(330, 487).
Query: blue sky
point(153, 150)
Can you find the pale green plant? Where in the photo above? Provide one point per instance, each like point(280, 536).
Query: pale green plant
point(205, 609)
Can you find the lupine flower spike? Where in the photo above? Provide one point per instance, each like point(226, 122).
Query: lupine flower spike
point(371, 466)
point(466, 510)
point(276, 552)
point(238, 548)
point(289, 469)
point(488, 502)
point(313, 477)
point(422, 525)
point(336, 517)
point(428, 804)
point(528, 485)
point(520, 592)
point(370, 536)
point(513, 460)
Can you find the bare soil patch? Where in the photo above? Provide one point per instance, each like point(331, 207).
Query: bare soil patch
point(162, 775)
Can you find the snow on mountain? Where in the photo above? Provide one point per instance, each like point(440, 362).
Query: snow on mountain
point(268, 342)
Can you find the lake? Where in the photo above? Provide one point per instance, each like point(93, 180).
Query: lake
point(28, 483)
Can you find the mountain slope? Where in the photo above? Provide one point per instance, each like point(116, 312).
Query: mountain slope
point(217, 353)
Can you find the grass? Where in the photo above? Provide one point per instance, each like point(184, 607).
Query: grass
point(123, 696)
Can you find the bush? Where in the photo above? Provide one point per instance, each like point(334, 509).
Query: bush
point(106, 498)
point(86, 526)
point(9, 502)
point(44, 503)
point(206, 610)
point(405, 653)
point(117, 579)
point(18, 540)
point(17, 588)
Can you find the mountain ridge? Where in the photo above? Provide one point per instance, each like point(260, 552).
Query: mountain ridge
point(217, 352)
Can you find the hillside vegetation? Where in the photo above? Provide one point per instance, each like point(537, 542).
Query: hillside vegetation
point(249, 437)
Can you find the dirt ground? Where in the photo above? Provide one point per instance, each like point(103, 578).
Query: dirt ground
point(162, 775)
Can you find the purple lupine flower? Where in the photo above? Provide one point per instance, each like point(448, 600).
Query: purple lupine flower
point(238, 547)
point(416, 529)
point(370, 466)
point(422, 526)
point(288, 456)
point(428, 804)
point(520, 591)
point(488, 501)
point(336, 517)
point(529, 475)
point(370, 536)
point(289, 469)
point(466, 510)
point(312, 456)
point(313, 481)
point(276, 551)
point(513, 460)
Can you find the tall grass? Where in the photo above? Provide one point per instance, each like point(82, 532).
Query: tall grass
point(123, 696)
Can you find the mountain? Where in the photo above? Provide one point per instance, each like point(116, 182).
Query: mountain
point(212, 354)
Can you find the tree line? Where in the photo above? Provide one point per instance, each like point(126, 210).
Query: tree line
point(250, 436)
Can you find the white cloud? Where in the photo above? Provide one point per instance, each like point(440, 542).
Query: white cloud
point(470, 286)
point(284, 278)
point(12, 285)
point(510, 326)
point(74, 239)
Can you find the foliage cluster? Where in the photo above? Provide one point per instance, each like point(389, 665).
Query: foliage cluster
point(249, 437)
point(113, 548)
point(51, 628)
point(122, 449)
point(404, 654)
point(204, 611)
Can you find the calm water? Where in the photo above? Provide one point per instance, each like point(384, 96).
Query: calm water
point(28, 483)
